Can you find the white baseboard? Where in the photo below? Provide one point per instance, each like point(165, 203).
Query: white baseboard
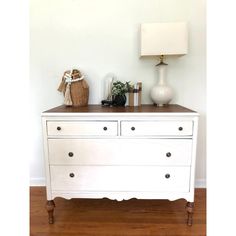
point(37, 182)
point(200, 183)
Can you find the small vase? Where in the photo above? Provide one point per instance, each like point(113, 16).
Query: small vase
point(119, 100)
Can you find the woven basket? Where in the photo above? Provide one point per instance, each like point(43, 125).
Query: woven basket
point(79, 90)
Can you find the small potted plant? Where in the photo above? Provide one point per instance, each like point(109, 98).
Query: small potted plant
point(119, 89)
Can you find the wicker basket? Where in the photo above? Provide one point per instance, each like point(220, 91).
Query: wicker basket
point(79, 90)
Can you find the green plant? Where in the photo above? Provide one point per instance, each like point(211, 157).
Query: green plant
point(120, 88)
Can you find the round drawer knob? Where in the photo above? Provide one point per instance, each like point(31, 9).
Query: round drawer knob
point(58, 128)
point(180, 128)
point(132, 128)
point(105, 128)
point(72, 175)
point(70, 154)
point(167, 176)
point(168, 154)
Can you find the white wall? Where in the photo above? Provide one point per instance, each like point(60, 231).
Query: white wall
point(102, 36)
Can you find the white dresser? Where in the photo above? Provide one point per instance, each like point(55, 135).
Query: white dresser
point(145, 152)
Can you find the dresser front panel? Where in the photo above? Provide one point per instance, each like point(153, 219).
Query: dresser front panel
point(82, 128)
point(120, 178)
point(156, 128)
point(173, 152)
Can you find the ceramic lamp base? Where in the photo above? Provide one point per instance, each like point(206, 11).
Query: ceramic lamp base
point(161, 94)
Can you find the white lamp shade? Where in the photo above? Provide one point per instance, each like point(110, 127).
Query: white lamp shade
point(164, 39)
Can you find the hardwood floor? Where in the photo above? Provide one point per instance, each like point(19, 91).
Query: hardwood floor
point(103, 217)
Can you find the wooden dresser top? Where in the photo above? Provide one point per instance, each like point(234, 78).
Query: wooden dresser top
point(100, 109)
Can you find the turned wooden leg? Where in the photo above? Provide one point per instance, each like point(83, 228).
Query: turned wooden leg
point(189, 208)
point(50, 208)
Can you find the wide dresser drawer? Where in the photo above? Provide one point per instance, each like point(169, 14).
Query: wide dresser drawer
point(156, 128)
point(120, 178)
point(82, 128)
point(171, 152)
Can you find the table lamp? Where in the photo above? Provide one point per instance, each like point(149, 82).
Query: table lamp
point(163, 39)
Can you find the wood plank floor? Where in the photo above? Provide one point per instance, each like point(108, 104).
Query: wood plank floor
point(103, 217)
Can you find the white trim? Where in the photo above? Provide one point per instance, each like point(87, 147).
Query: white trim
point(200, 183)
point(37, 182)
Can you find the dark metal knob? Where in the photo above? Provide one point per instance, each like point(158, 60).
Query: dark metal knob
point(167, 176)
point(105, 128)
point(180, 128)
point(58, 128)
point(168, 154)
point(72, 175)
point(132, 128)
point(70, 154)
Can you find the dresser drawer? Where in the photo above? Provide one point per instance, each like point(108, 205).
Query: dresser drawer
point(101, 128)
point(175, 152)
point(120, 178)
point(153, 128)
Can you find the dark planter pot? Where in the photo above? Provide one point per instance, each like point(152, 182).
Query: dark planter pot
point(119, 100)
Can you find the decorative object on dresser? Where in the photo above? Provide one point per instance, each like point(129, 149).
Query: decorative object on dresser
point(108, 82)
point(75, 88)
point(82, 159)
point(118, 91)
point(163, 39)
point(135, 94)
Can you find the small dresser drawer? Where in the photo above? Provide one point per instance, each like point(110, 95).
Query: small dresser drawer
point(155, 128)
point(116, 178)
point(81, 128)
point(168, 152)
